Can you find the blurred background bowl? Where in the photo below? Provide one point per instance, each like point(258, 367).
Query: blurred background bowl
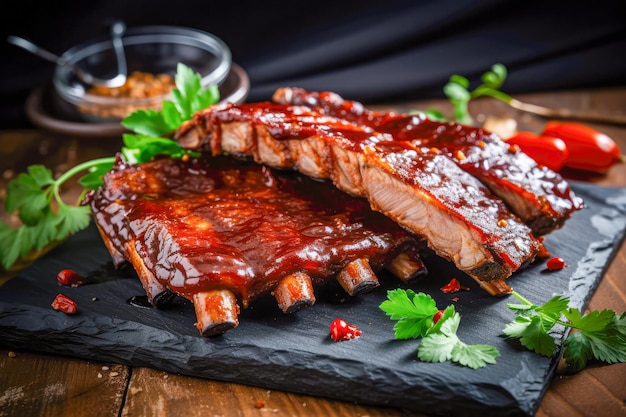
point(149, 50)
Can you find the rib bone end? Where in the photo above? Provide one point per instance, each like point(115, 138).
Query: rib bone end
point(217, 312)
point(357, 277)
point(294, 292)
point(407, 267)
point(495, 287)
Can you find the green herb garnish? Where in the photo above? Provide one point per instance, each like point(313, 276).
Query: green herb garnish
point(47, 220)
point(599, 335)
point(457, 91)
point(33, 195)
point(440, 343)
point(188, 97)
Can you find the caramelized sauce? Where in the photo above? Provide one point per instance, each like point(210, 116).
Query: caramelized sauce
point(428, 169)
point(221, 223)
point(484, 155)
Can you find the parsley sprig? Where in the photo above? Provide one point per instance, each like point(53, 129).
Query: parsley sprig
point(458, 92)
point(35, 196)
point(46, 219)
point(188, 97)
point(599, 335)
point(414, 313)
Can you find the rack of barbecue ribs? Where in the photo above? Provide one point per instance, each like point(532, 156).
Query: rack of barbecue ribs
point(220, 231)
point(475, 200)
point(536, 194)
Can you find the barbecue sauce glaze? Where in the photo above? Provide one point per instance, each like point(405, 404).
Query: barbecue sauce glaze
point(220, 223)
point(428, 169)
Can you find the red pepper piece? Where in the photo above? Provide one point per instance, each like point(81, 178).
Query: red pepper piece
point(340, 330)
point(64, 304)
point(589, 149)
point(556, 263)
point(546, 150)
point(437, 316)
point(70, 278)
point(453, 286)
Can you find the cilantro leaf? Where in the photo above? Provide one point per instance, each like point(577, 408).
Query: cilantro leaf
point(171, 118)
point(8, 248)
point(141, 148)
point(445, 345)
point(22, 189)
point(436, 347)
point(577, 351)
point(522, 309)
point(458, 92)
point(474, 356)
point(591, 322)
point(147, 122)
point(600, 335)
point(31, 194)
point(551, 311)
point(187, 98)
point(532, 335)
point(93, 178)
point(414, 313)
point(187, 87)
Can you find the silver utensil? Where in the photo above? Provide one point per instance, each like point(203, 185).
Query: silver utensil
point(117, 31)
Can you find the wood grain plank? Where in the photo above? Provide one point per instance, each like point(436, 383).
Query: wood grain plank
point(49, 386)
point(154, 393)
point(555, 405)
point(591, 396)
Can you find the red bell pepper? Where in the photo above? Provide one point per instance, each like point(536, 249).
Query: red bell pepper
point(589, 149)
point(545, 150)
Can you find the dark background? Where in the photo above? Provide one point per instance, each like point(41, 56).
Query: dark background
point(373, 51)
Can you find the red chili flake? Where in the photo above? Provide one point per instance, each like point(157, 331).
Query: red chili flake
point(64, 304)
point(437, 316)
point(556, 263)
point(340, 330)
point(70, 278)
point(453, 286)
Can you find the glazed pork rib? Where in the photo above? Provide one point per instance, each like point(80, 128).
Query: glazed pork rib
point(420, 188)
point(536, 194)
point(220, 231)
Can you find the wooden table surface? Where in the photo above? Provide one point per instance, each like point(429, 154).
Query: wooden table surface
point(34, 384)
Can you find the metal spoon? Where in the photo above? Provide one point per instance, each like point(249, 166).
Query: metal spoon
point(117, 30)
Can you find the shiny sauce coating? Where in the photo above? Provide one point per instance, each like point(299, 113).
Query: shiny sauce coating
point(429, 171)
point(221, 223)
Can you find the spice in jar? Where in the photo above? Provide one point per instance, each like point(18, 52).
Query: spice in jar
point(139, 85)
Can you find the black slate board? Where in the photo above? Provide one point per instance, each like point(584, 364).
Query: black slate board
point(294, 352)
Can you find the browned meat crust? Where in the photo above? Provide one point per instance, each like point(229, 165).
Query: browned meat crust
point(422, 189)
point(219, 231)
point(536, 194)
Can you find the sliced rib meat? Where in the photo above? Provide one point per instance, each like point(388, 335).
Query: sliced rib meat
point(538, 195)
point(423, 190)
point(222, 230)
